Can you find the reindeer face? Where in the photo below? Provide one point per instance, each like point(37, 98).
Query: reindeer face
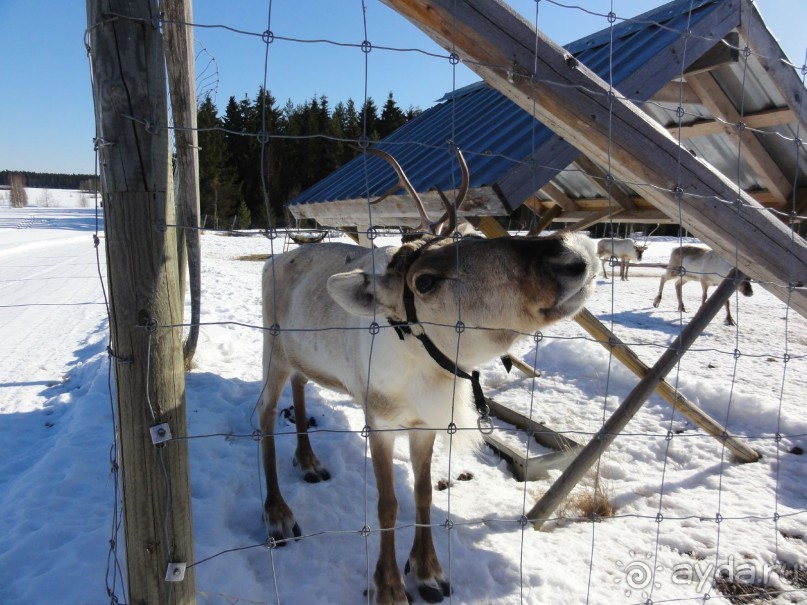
point(506, 285)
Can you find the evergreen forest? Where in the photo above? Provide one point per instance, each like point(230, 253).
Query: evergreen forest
point(307, 141)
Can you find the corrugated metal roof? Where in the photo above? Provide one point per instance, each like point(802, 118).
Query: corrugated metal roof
point(493, 132)
point(497, 136)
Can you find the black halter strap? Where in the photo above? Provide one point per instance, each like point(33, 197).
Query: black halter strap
point(402, 328)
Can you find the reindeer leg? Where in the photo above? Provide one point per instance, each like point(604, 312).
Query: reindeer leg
point(279, 519)
point(678, 292)
point(387, 580)
point(657, 300)
point(729, 321)
point(423, 562)
point(304, 456)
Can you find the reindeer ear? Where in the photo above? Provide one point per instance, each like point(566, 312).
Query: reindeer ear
point(354, 292)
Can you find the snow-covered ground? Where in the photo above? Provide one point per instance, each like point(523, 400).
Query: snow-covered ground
point(684, 508)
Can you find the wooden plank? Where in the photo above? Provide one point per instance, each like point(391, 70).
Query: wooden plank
point(546, 219)
point(771, 56)
point(542, 434)
point(576, 104)
point(749, 147)
point(557, 195)
point(534, 171)
point(398, 209)
point(675, 92)
point(531, 468)
point(180, 63)
point(760, 119)
point(671, 395)
point(593, 218)
point(599, 178)
point(723, 53)
point(558, 491)
point(128, 74)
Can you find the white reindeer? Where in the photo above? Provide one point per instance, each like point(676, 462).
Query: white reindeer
point(695, 263)
point(322, 306)
point(623, 250)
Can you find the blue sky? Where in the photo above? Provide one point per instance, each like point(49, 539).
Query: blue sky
point(46, 111)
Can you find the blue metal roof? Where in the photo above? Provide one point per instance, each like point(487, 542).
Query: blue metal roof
point(494, 133)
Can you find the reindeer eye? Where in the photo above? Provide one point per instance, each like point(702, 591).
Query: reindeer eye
point(425, 283)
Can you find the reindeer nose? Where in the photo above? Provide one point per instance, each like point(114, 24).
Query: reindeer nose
point(572, 269)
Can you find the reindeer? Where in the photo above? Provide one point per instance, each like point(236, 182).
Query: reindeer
point(623, 250)
point(410, 375)
point(695, 263)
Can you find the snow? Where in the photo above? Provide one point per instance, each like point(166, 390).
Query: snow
point(56, 432)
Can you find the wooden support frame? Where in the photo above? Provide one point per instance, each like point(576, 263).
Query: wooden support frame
point(534, 72)
point(599, 178)
point(586, 458)
point(750, 149)
point(630, 360)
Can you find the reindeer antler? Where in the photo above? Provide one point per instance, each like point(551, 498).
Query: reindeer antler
point(448, 221)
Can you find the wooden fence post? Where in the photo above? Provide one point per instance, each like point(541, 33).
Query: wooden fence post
point(128, 75)
point(181, 68)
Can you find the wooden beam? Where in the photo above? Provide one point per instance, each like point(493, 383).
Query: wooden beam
point(540, 513)
point(675, 92)
point(398, 209)
point(506, 51)
point(600, 180)
point(760, 119)
point(773, 59)
point(556, 194)
point(546, 219)
point(181, 67)
point(668, 62)
point(593, 218)
point(724, 52)
point(749, 147)
point(670, 394)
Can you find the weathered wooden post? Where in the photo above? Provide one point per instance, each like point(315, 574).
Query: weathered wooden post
point(128, 74)
point(181, 68)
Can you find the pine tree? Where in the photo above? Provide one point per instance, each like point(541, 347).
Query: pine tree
point(392, 118)
point(369, 119)
point(219, 194)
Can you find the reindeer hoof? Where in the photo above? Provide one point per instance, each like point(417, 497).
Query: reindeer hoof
point(432, 590)
point(435, 594)
point(408, 596)
point(316, 475)
point(276, 537)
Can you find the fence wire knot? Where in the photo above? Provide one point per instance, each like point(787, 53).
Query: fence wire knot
point(268, 37)
point(374, 328)
point(365, 531)
point(453, 58)
point(366, 46)
point(257, 435)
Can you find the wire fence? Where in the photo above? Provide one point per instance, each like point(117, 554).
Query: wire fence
point(637, 580)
